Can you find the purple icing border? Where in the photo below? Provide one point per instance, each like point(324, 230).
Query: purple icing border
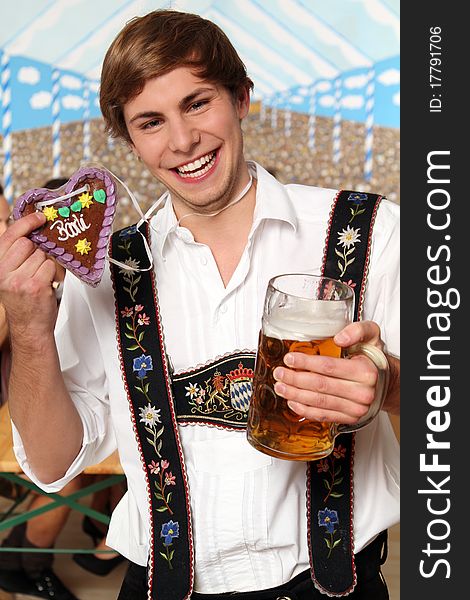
point(91, 276)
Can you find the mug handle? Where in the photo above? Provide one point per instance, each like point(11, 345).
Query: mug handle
point(380, 361)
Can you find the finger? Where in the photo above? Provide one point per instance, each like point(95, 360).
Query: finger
point(33, 281)
point(325, 386)
point(29, 268)
point(330, 410)
point(18, 253)
point(359, 369)
point(20, 228)
point(362, 331)
point(46, 272)
point(320, 407)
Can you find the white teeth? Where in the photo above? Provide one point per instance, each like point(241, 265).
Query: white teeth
point(189, 169)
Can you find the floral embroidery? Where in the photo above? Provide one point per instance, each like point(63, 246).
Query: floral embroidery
point(131, 277)
point(329, 518)
point(150, 415)
point(350, 282)
point(166, 478)
point(135, 319)
point(169, 531)
point(334, 478)
point(128, 232)
point(142, 320)
point(154, 468)
point(347, 238)
point(142, 364)
point(357, 199)
point(192, 390)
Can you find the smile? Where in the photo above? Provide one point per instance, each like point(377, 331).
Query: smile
point(197, 168)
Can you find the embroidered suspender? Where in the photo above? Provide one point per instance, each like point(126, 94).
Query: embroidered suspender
point(218, 394)
point(145, 372)
point(330, 480)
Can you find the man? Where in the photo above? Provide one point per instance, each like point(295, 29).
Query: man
point(174, 88)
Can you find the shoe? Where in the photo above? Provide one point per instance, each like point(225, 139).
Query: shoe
point(98, 566)
point(47, 585)
point(92, 530)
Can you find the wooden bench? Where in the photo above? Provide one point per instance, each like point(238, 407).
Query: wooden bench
point(10, 469)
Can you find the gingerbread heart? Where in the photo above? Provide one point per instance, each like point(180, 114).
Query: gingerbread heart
point(78, 227)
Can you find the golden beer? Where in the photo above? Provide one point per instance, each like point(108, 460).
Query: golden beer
point(303, 313)
point(273, 427)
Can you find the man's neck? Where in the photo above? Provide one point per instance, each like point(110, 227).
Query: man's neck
point(226, 234)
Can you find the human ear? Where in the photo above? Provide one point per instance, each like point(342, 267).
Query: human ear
point(243, 102)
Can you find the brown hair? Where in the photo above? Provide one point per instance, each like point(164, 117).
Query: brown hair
point(154, 45)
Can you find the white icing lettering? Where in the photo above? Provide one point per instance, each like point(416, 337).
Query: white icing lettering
point(70, 229)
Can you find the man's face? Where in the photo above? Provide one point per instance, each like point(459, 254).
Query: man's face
point(4, 213)
point(188, 133)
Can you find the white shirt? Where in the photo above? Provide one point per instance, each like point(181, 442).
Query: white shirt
point(248, 509)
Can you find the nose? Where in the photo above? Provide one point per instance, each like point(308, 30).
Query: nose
point(183, 136)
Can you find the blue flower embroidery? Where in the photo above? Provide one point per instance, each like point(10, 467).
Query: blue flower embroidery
point(142, 364)
point(357, 198)
point(170, 530)
point(128, 231)
point(328, 518)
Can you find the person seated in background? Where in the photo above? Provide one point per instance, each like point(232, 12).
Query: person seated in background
point(104, 501)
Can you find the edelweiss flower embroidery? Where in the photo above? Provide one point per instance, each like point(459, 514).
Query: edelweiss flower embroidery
point(132, 264)
point(192, 390)
point(150, 415)
point(349, 236)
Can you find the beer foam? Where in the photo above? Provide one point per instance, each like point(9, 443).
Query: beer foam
point(316, 321)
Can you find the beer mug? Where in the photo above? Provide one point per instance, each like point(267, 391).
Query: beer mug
point(303, 313)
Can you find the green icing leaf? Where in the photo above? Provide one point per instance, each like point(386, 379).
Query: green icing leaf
point(99, 196)
point(64, 211)
point(76, 206)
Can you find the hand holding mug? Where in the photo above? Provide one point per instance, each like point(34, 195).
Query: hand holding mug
point(327, 389)
point(297, 410)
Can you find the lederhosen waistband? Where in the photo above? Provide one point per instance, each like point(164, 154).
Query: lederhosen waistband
point(368, 563)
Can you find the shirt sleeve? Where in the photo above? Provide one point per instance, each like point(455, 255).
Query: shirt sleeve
point(85, 378)
point(382, 298)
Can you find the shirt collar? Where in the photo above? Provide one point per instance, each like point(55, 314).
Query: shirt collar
point(272, 199)
point(272, 202)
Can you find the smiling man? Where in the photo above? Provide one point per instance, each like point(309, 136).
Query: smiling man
point(206, 514)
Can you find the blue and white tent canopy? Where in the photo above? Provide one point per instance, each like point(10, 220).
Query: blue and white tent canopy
point(335, 58)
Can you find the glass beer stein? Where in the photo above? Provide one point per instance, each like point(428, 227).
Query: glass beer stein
point(303, 313)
